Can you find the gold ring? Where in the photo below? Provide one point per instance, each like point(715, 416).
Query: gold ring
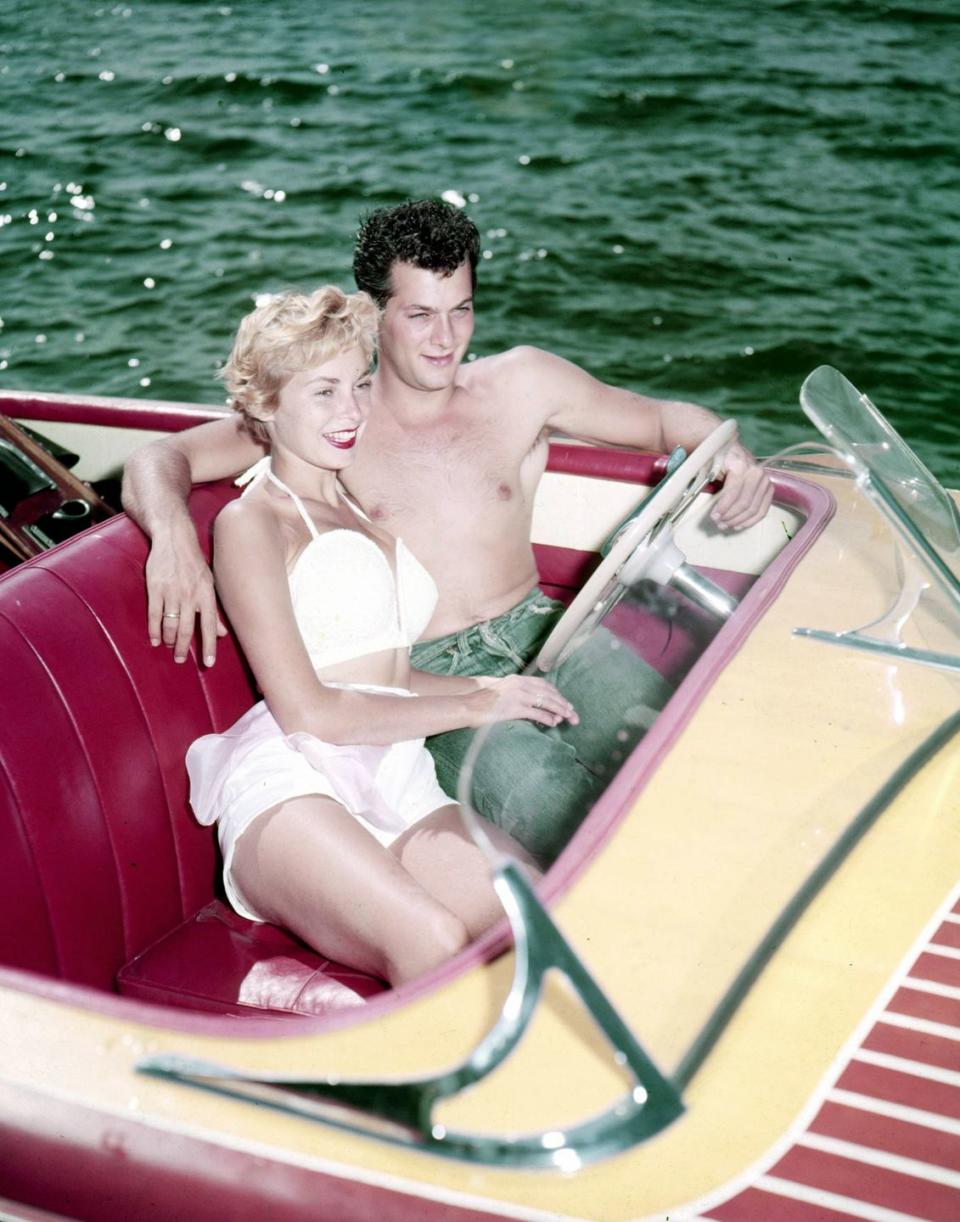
point(171, 615)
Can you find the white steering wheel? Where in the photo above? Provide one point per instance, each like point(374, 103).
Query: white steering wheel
point(645, 548)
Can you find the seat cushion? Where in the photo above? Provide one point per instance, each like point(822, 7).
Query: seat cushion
point(218, 961)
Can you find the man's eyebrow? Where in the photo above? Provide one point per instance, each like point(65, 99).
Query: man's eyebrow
point(433, 309)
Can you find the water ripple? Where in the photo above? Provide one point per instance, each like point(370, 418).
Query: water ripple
point(721, 205)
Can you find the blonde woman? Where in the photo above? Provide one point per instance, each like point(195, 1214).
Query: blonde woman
point(329, 815)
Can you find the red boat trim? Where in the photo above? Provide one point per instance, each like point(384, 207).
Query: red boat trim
point(895, 1111)
point(60, 1155)
point(880, 1138)
point(623, 466)
point(103, 411)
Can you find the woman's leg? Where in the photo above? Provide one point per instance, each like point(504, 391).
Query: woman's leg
point(309, 866)
point(441, 855)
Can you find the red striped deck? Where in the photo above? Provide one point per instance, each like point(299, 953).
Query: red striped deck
point(883, 1141)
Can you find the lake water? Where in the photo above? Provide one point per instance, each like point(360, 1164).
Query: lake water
point(696, 200)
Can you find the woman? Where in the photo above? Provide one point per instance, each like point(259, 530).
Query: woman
point(353, 847)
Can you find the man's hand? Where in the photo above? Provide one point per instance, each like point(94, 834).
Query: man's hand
point(156, 487)
point(746, 493)
point(179, 588)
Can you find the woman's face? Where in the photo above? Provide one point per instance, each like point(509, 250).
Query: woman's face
point(321, 411)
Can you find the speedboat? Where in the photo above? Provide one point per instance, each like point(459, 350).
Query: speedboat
point(735, 996)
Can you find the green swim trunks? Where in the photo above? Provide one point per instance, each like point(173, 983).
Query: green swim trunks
point(538, 783)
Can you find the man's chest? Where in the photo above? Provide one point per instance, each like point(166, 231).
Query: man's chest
point(454, 469)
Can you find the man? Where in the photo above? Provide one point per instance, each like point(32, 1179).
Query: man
point(450, 462)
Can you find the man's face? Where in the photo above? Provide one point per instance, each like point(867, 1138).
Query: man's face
point(426, 325)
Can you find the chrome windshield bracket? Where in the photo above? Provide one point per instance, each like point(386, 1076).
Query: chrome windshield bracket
point(882, 636)
point(896, 651)
point(402, 1111)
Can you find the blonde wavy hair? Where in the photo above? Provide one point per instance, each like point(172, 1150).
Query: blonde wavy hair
point(287, 333)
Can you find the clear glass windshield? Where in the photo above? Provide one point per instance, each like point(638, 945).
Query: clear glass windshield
point(892, 474)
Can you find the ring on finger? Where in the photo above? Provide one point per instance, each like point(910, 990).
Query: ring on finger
point(538, 703)
point(171, 615)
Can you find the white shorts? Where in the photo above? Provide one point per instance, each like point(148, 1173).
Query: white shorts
point(253, 767)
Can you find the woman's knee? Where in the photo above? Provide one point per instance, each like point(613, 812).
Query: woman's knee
point(423, 943)
point(282, 867)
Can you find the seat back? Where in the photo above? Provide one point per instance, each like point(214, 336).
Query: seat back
point(99, 851)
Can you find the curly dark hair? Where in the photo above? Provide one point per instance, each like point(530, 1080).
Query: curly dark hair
point(427, 233)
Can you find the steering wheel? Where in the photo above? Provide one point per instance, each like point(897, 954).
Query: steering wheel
point(645, 547)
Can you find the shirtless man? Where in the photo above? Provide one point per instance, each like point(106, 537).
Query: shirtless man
point(450, 462)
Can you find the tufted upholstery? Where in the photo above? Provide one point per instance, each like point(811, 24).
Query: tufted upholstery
point(100, 857)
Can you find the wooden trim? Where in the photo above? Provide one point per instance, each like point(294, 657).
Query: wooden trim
point(70, 487)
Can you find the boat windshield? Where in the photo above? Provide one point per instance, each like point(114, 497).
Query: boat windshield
point(892, 474)
point(924, 517)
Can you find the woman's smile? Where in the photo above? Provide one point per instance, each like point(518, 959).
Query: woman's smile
point(344, 439)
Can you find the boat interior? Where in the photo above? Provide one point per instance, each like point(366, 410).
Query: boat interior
point(112, 888)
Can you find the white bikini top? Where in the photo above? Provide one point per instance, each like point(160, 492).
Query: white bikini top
point(346, 599)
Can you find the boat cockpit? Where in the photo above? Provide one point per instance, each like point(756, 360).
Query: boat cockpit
point(110, 888)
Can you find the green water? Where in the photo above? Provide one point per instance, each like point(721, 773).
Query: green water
point(692, 199)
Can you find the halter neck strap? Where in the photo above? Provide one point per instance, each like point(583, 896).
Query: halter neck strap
point(350, 502)
point(308, 521)
point(263, 470)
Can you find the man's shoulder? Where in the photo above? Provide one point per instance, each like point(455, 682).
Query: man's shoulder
point(522, 356)
point(512, 365)
point(528, 380)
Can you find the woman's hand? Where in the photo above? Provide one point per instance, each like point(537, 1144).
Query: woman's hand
point(521, 698)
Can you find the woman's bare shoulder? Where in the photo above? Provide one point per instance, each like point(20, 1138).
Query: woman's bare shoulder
point(251, 527)
point(253, 512)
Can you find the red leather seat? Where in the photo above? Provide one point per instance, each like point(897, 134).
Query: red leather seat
point(106, 879)
point(222, 962)
point(104, 873)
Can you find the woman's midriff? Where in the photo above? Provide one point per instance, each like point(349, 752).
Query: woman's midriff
point(388, 668)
